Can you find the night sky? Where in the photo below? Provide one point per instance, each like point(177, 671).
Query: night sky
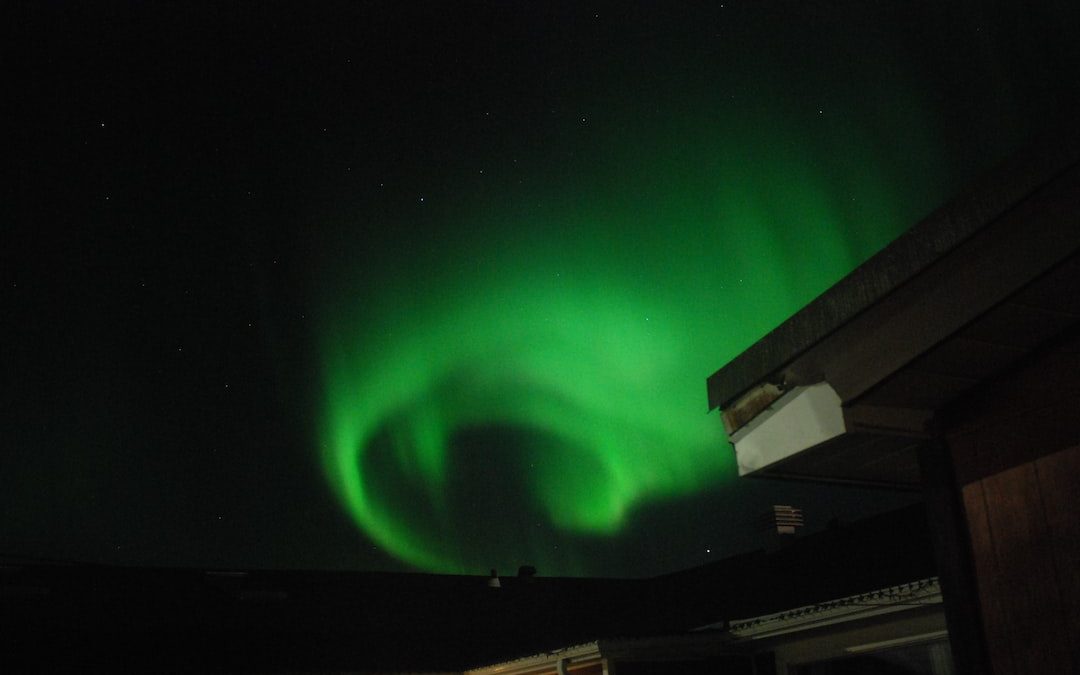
point(437, 288)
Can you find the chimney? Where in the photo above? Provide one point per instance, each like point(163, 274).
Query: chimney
point(781, 524)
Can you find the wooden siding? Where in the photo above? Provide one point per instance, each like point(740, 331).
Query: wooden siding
point(1015, 446)
point(1025, 608)
point(1059, 475)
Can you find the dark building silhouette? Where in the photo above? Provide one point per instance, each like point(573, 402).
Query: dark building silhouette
point(949, 363)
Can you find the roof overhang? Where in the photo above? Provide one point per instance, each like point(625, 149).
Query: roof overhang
point(846, 388)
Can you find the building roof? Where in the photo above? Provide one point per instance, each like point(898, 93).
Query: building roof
point(67, 616)
point(901, 597)
point(965, 294)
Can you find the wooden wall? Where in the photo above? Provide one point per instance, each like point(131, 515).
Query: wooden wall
point(1025, 538)
point(1015, 446)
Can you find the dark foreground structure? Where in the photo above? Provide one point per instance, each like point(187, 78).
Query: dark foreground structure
point(89, 618)
point(950, 362)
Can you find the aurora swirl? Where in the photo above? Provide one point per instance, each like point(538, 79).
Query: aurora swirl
point(390, 286)
point(515, 333)
point(572, 338)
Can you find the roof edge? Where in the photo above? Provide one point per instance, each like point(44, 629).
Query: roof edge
point(978, 205)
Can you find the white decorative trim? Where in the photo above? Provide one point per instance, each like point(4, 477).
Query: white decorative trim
point(885, 601)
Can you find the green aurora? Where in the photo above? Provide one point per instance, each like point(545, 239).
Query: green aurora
point(391, 286)
point(574, 336)
point(517, 371)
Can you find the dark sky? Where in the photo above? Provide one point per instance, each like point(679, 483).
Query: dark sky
point(437, 286)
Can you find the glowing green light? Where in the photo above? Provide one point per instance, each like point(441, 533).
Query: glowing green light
point(573, 327)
